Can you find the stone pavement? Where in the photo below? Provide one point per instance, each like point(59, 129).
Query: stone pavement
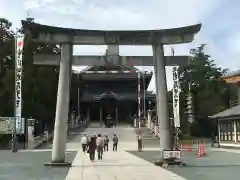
point(218, 164)
point(119, 165)
point(125, 164)
point(129, 164)
point(29, 164)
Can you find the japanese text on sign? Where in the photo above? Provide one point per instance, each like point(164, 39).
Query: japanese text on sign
point(18, 74)
point(176, 91)
point(171, 154)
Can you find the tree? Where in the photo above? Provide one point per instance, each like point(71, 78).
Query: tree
point(211, 94)
point(39, 83)
point(6, 67)
point(6, 45)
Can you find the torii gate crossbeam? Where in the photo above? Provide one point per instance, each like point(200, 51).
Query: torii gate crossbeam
point(51, 59)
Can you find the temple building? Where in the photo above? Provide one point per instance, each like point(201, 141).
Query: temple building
point(113, 90)
point(229, 120)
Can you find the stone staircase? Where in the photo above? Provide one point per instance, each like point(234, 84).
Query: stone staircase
point(147, 134)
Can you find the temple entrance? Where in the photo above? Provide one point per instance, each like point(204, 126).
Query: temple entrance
point(119, 112)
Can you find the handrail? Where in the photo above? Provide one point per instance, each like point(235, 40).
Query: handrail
point(38, 140)
point(153, 128)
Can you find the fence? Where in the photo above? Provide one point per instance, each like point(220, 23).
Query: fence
point(153, 128)
point(191, 141)
point(39, 140)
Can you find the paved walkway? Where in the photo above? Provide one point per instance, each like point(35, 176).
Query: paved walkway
point(29, 164)
point(119, 165)
point(125, 164)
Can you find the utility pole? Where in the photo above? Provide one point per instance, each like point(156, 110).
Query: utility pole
point(144, 96)
point(1, 59)
point(78, 96)
point(1, 47)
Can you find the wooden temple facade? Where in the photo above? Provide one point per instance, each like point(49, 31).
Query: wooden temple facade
point(229, 119)
point(113, 90)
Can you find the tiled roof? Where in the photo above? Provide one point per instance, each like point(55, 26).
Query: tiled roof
point(234, 111)
point(233, 73)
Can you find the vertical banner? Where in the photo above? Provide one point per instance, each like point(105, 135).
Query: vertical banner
point(18, 78)
point(139, 99)
point(176, 92)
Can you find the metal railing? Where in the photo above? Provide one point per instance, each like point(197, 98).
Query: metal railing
point(153, 128)
point(38, 140)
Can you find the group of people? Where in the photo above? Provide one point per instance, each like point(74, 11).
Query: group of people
point(97, 143)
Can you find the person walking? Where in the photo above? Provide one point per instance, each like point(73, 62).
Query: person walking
point(100, 146)
point(115, 142)
point(92, 148)
point(84, 142)
point(106, 141)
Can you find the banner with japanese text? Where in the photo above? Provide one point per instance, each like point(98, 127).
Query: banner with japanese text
point(176, 92)
point(18, 77)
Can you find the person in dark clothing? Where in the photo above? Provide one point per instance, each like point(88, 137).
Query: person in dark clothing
point(214, 140)
point(106, 141)
point(92, 148)
point(115, 142)
point(100, 146)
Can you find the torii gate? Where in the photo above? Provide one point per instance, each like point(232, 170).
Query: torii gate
point(68, 37)
point(111, 58)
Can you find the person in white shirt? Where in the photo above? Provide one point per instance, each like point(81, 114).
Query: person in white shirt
point(100, 146)
point(84, 142)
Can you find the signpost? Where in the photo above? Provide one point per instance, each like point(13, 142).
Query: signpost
point(18, 87)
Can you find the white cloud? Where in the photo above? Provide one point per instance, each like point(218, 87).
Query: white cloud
point(34, 4)
point(233, 43)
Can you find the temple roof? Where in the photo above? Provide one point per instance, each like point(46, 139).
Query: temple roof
point(47, 34)
point(232, 112)
point(118, 68)
point(233, 73)
point(88, 97)
point(232, 77)
point(114, 73)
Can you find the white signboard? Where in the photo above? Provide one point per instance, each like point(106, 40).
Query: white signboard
point(6, 125)
point(176, 92)
point(171, 154)
point(18, 77)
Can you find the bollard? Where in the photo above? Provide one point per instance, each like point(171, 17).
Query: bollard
point(139, 141)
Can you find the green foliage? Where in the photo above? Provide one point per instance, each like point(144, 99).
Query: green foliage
point(7, 66)
point(211, 94)
point(39, 83)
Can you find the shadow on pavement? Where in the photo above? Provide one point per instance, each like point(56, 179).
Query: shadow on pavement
point(214, 166)
point(29, 165)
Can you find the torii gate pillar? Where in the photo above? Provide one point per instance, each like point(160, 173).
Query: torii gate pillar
point(161, 94)
point(62, 107)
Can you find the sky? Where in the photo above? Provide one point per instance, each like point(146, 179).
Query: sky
point(219, 18)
